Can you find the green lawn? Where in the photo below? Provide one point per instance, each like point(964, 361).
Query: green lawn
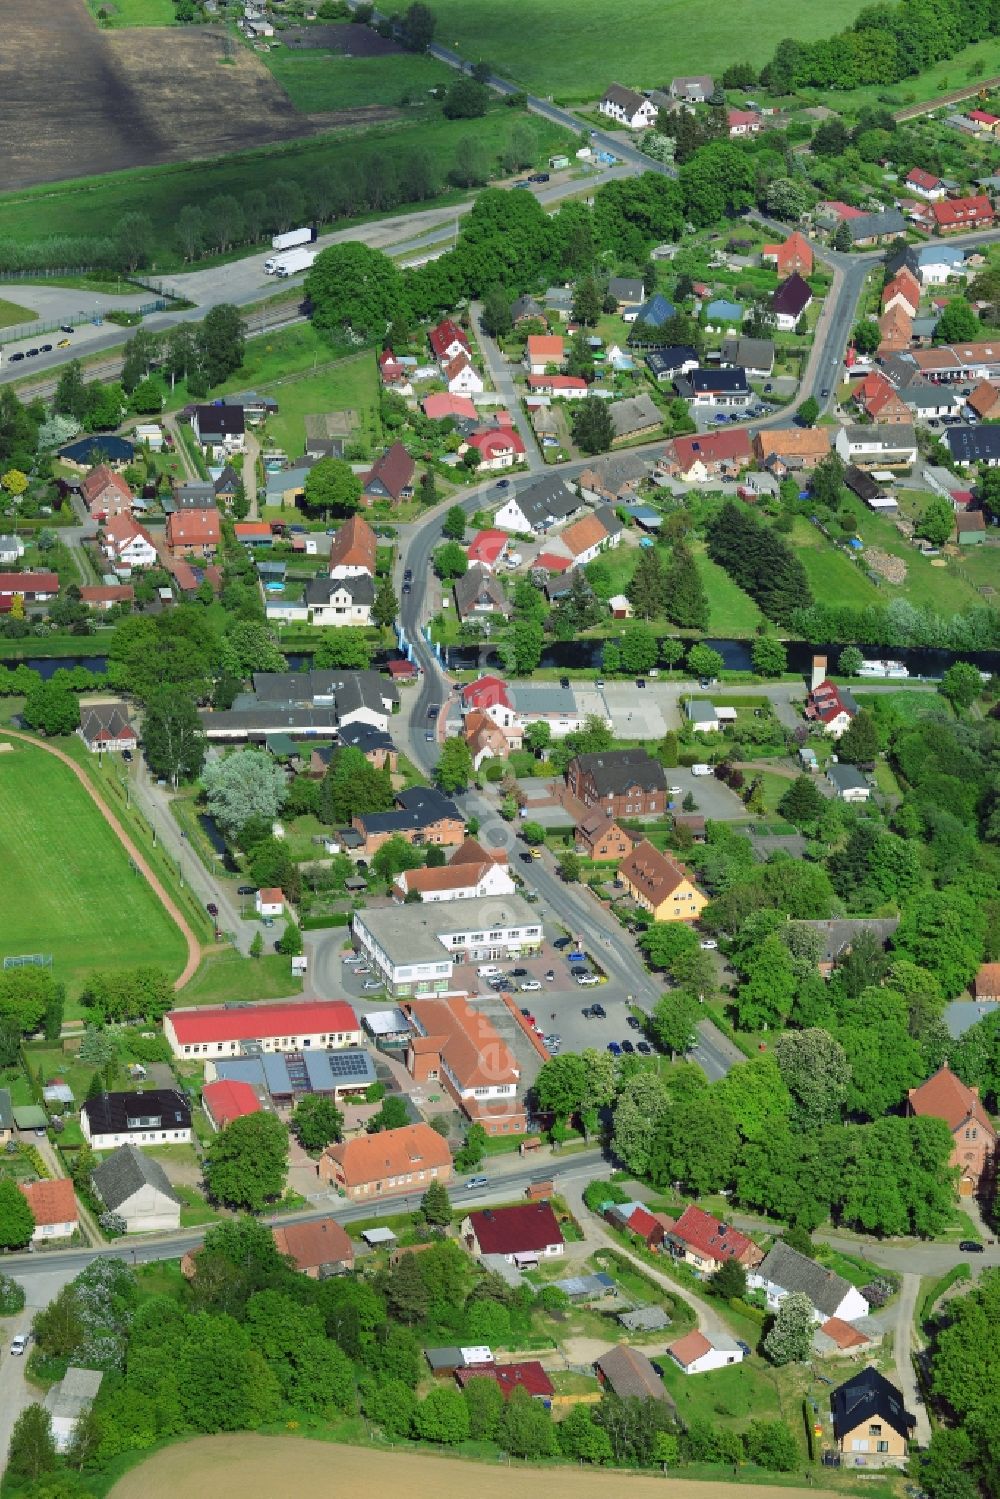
point(12, 314)
point(225, 976)
point(732, 612)
point(832, 576)
point(572, 49)
point(85, 205)
point(982, 567)
point(317, 80)
point(135, 12)
point(928, 584)
point(65, 883)
point(348, 384)
point(982, 60)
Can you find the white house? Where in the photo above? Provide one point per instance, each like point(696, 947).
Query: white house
point(270, 901)
point(696, 1353)
point(938, 263)
point(128, 544)
point(543, 505)
point(784, 1270)
point(135, 1187)
point(626, 107)
point(471, 874)
point(885, 445)
point(701, 716)
point(53, 1207)
point(849, 784)
point(11, 549)
point(68, 1400)
point(340, 601)
point(219, 430)
point(463, 379)
point(152, 1116)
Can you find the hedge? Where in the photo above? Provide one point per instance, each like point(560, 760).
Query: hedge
point(937, 1290)
point(318, 923)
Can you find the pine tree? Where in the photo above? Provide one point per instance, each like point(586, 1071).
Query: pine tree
point(386, 605)
point(686, 599)
point(436, 1204)
point(647, 592)
point(859, 744)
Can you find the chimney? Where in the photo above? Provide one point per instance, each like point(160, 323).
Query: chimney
point(818, 672)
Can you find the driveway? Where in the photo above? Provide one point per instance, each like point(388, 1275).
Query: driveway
point(15, 1392)
point(903, 1352)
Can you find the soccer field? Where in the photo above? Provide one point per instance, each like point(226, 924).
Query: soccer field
point(65, 883)
point(572, 49)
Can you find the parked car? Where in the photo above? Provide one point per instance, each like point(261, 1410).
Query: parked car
point(643, 1048)
point(597, 1012)
point(627, 1048)
point(564, 682)
point(477, 1181)
point(708, 945)
point(19, 1343)
point(249, 890)
point(632, 1022)
point(578, 969)
point(677, 791)
point(614, 1048)
point(18, 355)
point(530, 986)
point(519, 973)
point(550, 974)
point(526, 857)
point(503, 484)
point(407, 587)
point(588, 980)
point(559, 943)
point(371, 984)
point(65, 327)
point(969, 1246)
point(577, 957)
point(640, 682)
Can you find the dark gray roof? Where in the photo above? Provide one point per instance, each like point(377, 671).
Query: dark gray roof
point(150, 1108)
point(546, 501)
point(360, 588)
point(473, 585)
point(670, 361)
point(973, 444)
point(626, 288)
point(525, 307)
point(891, 437)
point(635, 414)
point(751, 353)
point(192, 497)
point(873, 225)
point(791, 1271)
point(417, 807)
point(104, 721)
point(845, 777)
point(865, 1395)
point(616, 771)
point(125, 1172)
point(274, 718)
point(727, 381)
point(6, 1110)
point(837, 936)
point(228, 481)
point(630, 1374)
point(921, 393)
point(862, 484)
point(220, 421)
point(362, 736)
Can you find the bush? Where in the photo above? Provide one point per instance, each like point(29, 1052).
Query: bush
point(11, 1296)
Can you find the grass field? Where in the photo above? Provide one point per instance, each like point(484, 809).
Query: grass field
point(572, 49)
point(226, 976)
point(11, 314)
point(317, 80)
point(350, 384)
point(65, 883)
point(731, 611)
point(88, 204)
point(979, 61)
point(135, 12)
point(831, 575)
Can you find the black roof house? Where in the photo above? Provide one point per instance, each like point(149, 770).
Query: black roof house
point(865, 1396)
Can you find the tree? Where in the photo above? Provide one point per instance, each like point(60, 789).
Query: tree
point(580, 1439)
point(395, 855)
point(352, 785)
point(443, 1415)
point(331, 484)
point(11, 1296)
point(496, 321)
point(450, 561)
point(586, 302)
point(453, 771)
point(526, 1429)
point(472, 1150)
point(789, 1340)
point(538, 737)
point(957, 323)
point(436, 1204)
point(247, 784)
point(647, 590)
point(961, 685)
point(418, 27)
point(32, 1447)
point(858, 745)
point(570, 866)
point(246, 1163)
point(802, 802)
point(465, 100)
point(256, 945)
point(704, 661)
point(674, 1019)
point(392, 1115)
point(17, 1222)
point(485, 1401)
point(808, 412)
point(771, 1445)
point(316, 1121)
point(937, 522)
point(729, 1281)
point(817, 1074)
point(523, 651)
point(172, 735)
point(769, 656)
point(14, 482)
point(685, 599)
point(51, 708)
point(290, 941)
point(849, 662)
point(220, 342)
point(867, 336)
point(593, 427)
point(353, 286)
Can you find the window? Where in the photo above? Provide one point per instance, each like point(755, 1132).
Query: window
point(881, 1446)
point(875, 1429)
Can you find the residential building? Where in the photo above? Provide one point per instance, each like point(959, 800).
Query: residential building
point(958, 215)
point(105, 493)
point(391, 476)
point(318, 1249)
point(526, 310)
point(193, 533)
point(526, 1375)
point(340, 601)
point(881, 401)
point(871, 1425)
point(458, 1048)
point(986, 984)
point(11, 550)
point(53, 1207)
point(600, 837)
point(471, 873)
point(218, 1031)
point(836, 938)
point(32, 587)
point(959, 362)
point(543, 350)
point(68, 1400)
point(521, 1235)
point(422, 815)
point(794, 254)
point(353, 549)
point(220, 430)
point(487, 549)
point(564, 387)
point(622, 783)
point(227, 486)
point(659, 885)
point(269, 902)
point(154, 1116)
point(903, 290)
point(945, 1096)
point(537, 508)
point(586, 538)
point(613, 480)
point(709, 455)
point(968, 445)
point(790, 301)
point(499, 448)
point(478, 595)
point(743, 122)
point(226, 1099)
point(705, 1244)
point(116, 452)
point(783, 1270)
point(849, 784)
point(629, 1374)
point(929, 398)
point(925, 185)
point(666, 364)
point(696, 89)
point(462, 377)
point(895, 328)
point(487, 740)
point(105, 727)
point(626, 107)
point(791, 449)
point(652, 313)
point(134, 1186)
point(309, 703)
point(833, 707)
point(393, 373)
point(440, 406)
point(984, 400)
point(936, 264)
point(448, 341)
point(868, 229)
point(701, 716)
point(697, 1353)
point(415, 948)
point(892, 445)
point(726, 389)
point(388, 1163)
point(636, 416)
point(128, 544)
point(753, 355)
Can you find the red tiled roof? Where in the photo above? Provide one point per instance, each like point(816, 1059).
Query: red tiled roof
point(712, 447)
point(226, 1100)
point(843, 1334)
point(556, 382)
point(487, 546)
point(548, 346)
point(441, 405)
point(825, 702)
point(486, 692)
point(742, 117)
point(101, 593)
point(390, 1153)
point(402, 669)
point(355, 545)
point(945, 1096)
point(310, 1245)
point(247, 529)
point(490, 444)
point(842, 210)
point(51, 1201)
point(29, 583)
point(527, 1228)
point(919, 178)
point(193, 528)
point(528, 1376)
point(551, 562)
point(987, 981)
point(444, 335)
point(707, 1236)
point(217, 1023)
point(951, 211)
point(693, 1345)
point(643, 1223)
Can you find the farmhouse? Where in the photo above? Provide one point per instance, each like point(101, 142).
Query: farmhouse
point(945, 1096)
point(794, 254)
point(104, 596)
point(105, 727)
point(155, 1116)
point(659, 885)
point(784, 1270)
point(53, 1207)
point(704, 1243)
point(458, 1047)
point(543, 350)
point(707, 455)
point(217, 1031)
point(697, 1353)
point(135, 1187)
point(627, 107)
point(387, 1163)
point(522, 1235)
point(635, 417)
point(319, 1249)
point(34, 588)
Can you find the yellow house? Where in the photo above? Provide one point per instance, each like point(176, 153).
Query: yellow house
point(661, 886)
point(871, 1425)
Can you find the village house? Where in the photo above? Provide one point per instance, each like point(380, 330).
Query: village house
point(790, 302)
point(152, 1116)
point(220, 430)
point(969, 445)
point(600, 837)
point(105, 493)
point(542, 351)
point(499, 448)
point(53, 1207)
point(837, 937)
point(925, 185)
point(422, 815)
point(470, 873)
point(104, 596)
point(626, 107)
point(903, 290)
point(871, 1426)
point(340, 601)
point(522, 1235)
point(386, 1164)
point(537, 508)
point(135, 1187)
point(895, 328)
point(848, 783)
point(793, 254)
point(665, 364)
point(458, 1048)
point(791, 449)
point(833, 707)
point(649, 315)
point(487, 549)
point(659, 885)
point(970, 528)
point(564, 387)
point(462, 377)
point(67, 1402)
point(227, 486)
point(11, 549)
point(478, 595)
point(743, 122)
point(784, 1270)
point(586, 538)
point(393, 373)
point(753, 355)
point(708, 455)
point(32, 587)
point(105, 727)
point(724, 388)
point(487, 740)
point(390, 477)
point(637, 416)
point(893, 445)
point(269, 902)
point(945, 1096)
point(698, 1353)
point(526, 310)
point(441, 406)
point(193, 533)
point(868, 229)
point(318, 1249)
point(696, 89)
point(622, 783)
point(218, 1031)
point(127, 544)
point(705, 1244)
point(613, 480)
point(957, 215)
point(353, 550)
point(448, 341)
point(984, 399)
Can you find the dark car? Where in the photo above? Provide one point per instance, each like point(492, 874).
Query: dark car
point(519, 973)
point(246, 890)
point(15, 357)
point(127, 756)
point(824, 392)
point(407, 587)
point(525, 858)
point(643, 1048)
point(65, 327)
point(640, 682)
point(564, 682)
point(32, 353)
point(969, 1246)
point(562, 942)
point(632, 1022)
point(539, 177)
point(503, 484)
point(598, 1012)
point(46, 348)
point(579, 971)
point(627, 1047)
point(408, 575)
point(433, 710)
point(614, 1048)
point(212, 908)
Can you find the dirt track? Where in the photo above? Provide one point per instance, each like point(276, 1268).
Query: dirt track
point(77, 101)
point(259, 1467)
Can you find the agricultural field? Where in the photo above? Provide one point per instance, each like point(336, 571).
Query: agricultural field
point(65, 883)
point(116, 13)
point(572, 49)
point(318, 81)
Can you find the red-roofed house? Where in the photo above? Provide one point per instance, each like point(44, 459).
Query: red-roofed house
point(706, 455)
point(552, 562)
point(522, 1234)
point(833, 707)
point(319, 1249)
point(487, 548)
point(528, 1375)
point(487, 740)
point(105, 493)
point(896, 329)
point(986, 120)
point(925, 184)
point(843, 1335)
point(462, 378)
point(227, 1099)
point(384, 1164)
point(447, 340)
point(794, 255)
point(105, 596)
point(985, 401)
point(542, 351)
point(956, 214)
point(128, 544)
point(393, 374)
point(217, 1031)
point(743, 121)
point(702, 1241)
point(489, 695)
point(458, 1048)
point(193, 533)
point(53, 1207)
point(887, 406)
point(902, 291)
point(254, 532)
point(441, 405)
point(834, 208)
point(569, 387)
point(391, 476)
point(498, 448)
point(945, 1096)
point(638, 1220)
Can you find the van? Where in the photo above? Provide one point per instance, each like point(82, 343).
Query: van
point(488, 971)
point(701, 770)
